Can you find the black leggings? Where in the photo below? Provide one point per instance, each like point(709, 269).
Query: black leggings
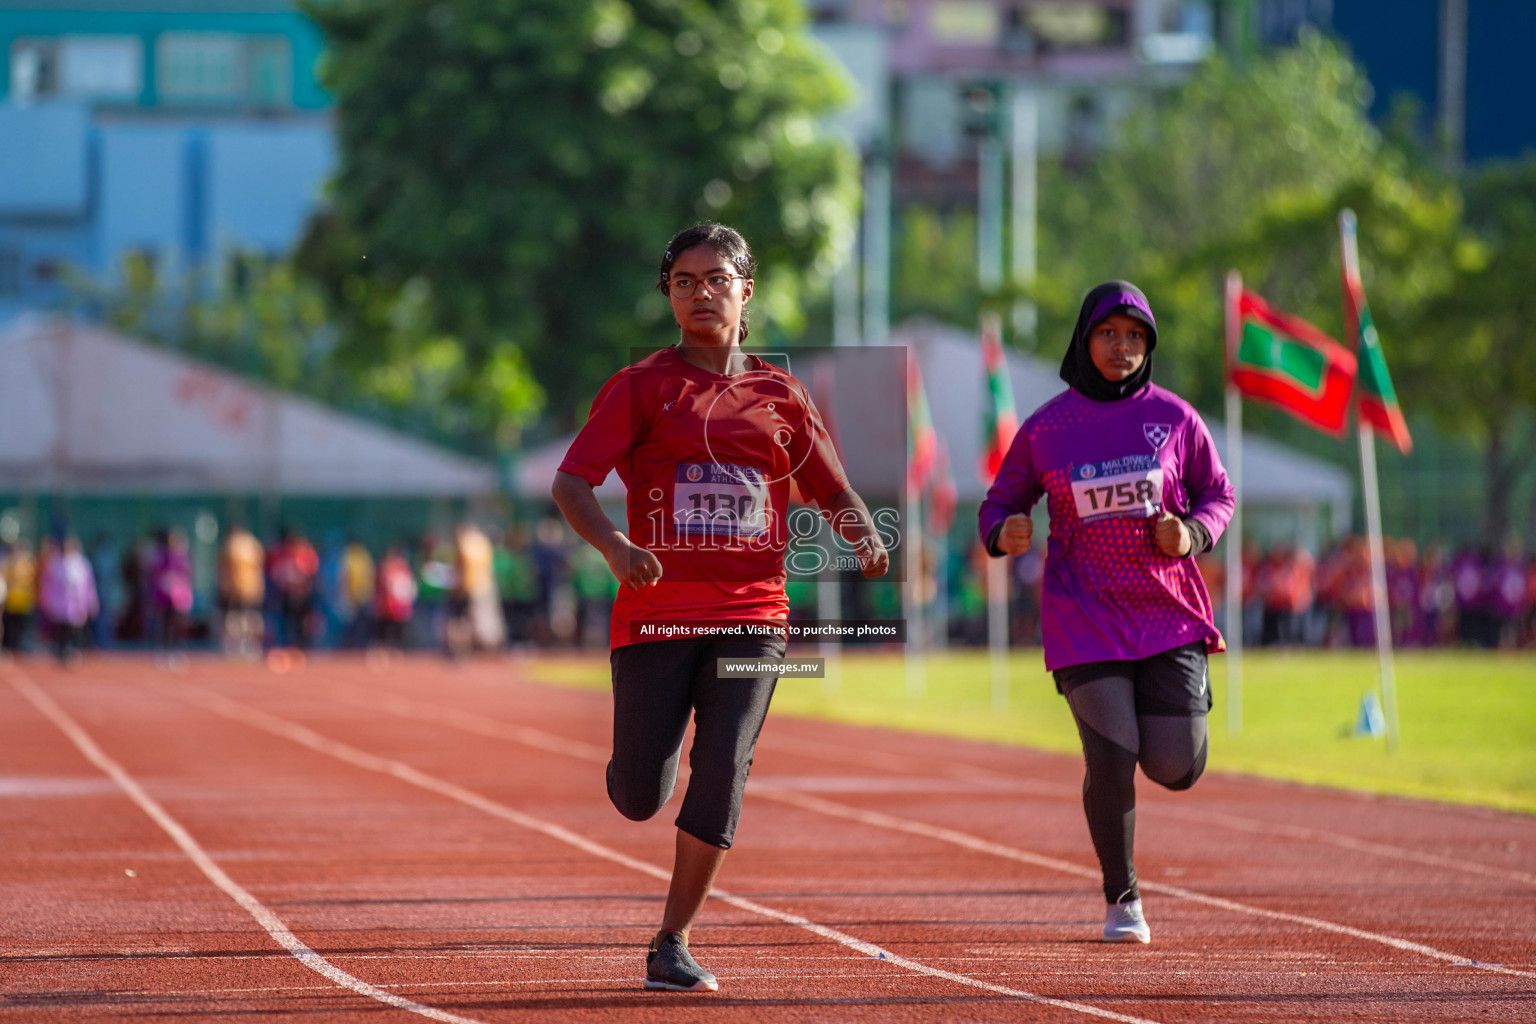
point(1150, 712)
point(656, 686)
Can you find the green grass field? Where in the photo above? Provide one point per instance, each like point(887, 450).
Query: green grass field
point(1468, 719)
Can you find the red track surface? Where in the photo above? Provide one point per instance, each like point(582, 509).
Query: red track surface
point(439, 835)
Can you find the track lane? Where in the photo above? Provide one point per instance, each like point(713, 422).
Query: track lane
point(855, 987)
point(408, 773)
point(86, 975)
point(1456, 985)
point(1277, 913)
point(967, 913)
point(1469, 840)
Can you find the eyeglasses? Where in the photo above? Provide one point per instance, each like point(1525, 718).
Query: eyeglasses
point(684, 286)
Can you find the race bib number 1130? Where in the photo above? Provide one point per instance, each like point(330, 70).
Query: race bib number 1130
point(1129, 487)
point(720, 500)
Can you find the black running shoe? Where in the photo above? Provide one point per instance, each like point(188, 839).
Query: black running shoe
point(669, 967)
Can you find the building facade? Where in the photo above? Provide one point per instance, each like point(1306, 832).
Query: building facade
point(944, 71)
point(1464, 63)
point(174, 131)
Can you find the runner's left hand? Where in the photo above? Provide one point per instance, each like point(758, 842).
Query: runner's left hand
point(1173, 537)
point(874, 559)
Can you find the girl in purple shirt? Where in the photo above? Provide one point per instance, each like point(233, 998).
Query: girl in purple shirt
point(1134, 491)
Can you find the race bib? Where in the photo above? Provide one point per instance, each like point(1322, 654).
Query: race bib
point(1129, 487)
point(719, 500)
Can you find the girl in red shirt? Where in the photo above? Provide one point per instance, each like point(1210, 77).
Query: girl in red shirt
point(706, 439)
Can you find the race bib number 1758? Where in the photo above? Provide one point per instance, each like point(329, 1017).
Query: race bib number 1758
point(1130, 487)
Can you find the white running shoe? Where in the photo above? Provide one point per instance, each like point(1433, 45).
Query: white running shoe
point(1124, 922)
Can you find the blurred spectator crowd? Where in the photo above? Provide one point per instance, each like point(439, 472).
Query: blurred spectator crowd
point(1476, 596)
point(459, 593)
point(533, 584)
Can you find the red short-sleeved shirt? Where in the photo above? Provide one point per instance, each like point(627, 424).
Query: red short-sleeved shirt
point(707, 460)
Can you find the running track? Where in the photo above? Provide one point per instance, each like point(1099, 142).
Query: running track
point(432, 842)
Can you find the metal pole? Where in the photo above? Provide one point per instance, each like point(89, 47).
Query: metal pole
point(989, 213)
point(1234, 532)
point(829, 590)
point(997, 583)
point(989, 265)
point(845, 302)
point(938, 633)
point(1453, 81)
point(877, 251)
point(1349, 258)
point(1378, 580)
point(913, 596)
point(997, 629)
point(1025, 139)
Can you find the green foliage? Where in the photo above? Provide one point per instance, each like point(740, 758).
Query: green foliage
point(1479, 328)
point(511, 171)
point(258, 318)
point(1227, 165)
point(1247, 169)
point(934, 271)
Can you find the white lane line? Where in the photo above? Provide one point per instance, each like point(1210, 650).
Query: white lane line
point(972, 773)
point(865, 757)
point(484, 725)
point(304, 736)
point(490, 727)
point(1346, 842)
point(979, 845)
point(182, 838)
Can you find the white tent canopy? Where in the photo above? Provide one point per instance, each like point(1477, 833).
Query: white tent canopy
point(534, 474)
point(87, 410)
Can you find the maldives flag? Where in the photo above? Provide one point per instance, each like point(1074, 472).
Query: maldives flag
point(922, 442)
point(999, 418)
point(1374, 398)
point(1285, 361)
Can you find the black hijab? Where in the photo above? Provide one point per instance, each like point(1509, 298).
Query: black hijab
point(1077, 367)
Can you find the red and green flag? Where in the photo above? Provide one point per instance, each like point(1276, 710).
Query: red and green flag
point(1286, 362)
point(922, 441)
point(999, 418)
point(1375, 398)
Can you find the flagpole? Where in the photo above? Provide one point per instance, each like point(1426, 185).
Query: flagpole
point(996, 575)
point(913, 591)
point(1234, 531)
point(1349, 257)
point(1378, 579)
point(997, 629)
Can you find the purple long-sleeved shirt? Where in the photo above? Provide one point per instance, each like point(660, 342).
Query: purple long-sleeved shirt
point(1106, 469)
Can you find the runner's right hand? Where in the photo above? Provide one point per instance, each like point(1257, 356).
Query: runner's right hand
point(632, 565)
point(1015, 536)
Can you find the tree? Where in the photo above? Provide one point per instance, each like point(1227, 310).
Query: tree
point(517, 166)
point(1482, 381)
point(1248, 169)
point(1189, 173)
point(934, 272)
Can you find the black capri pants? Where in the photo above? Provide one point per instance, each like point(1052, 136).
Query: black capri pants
point(1150, 711)
point(656, 686)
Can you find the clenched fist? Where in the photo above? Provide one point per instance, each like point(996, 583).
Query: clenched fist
point(1014, 538)
point(1173, 537)
point(874, 559)
point(633, 566)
